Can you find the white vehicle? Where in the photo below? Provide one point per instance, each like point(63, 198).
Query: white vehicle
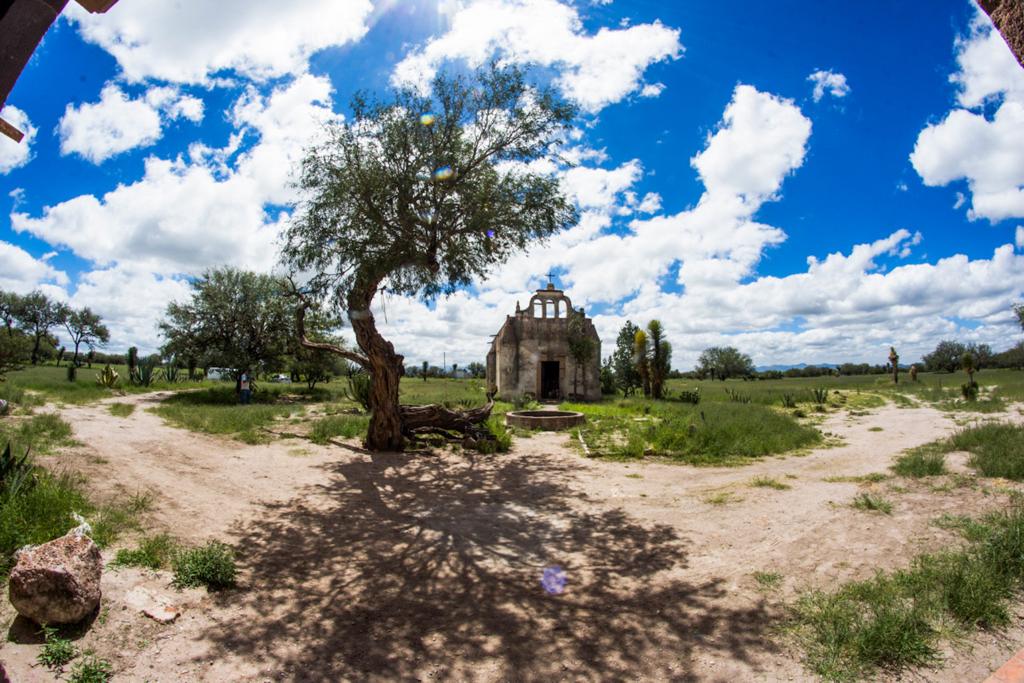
point(219, 373)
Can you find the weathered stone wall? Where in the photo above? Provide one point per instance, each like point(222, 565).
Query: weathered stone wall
point(524, 342)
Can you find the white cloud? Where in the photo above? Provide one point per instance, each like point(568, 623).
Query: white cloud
point(16, 154)
point(185, 216)
point(1019, 237)
point(117, 123)
point(828, 82)
point(192, 42)
point(594, 69)
point(968, 144)
point(21, 272)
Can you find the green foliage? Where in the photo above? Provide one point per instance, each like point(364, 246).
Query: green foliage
point(56, 651)
point(660, 361)
point(153, 552)
point(172, 373)
point(788, 400)
point(608, 385)
point(83, 327)
point(108, 377)
point(360, 385)
point(769, 483)
point(501, 436)
point(997, 449)
point(15, 349)
point(969, 390)
point(872, 503)
point(216, 411)
point(723, 362)
point(39, 433)
point(690, 396)
point(582, 345)
point(91, 669)
point(820, 396)
point(211, 565)
point(895, 621)
point(627, 379)
point(17, 474)
point(146, 372)
point(333, 426)
point(642, 361)
point(946, 356)
point(737, 397)
point(768, 580)
point(923, 461)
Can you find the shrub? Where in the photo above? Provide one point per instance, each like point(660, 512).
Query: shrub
point(920, 462)
point(345, 426)
point(820, 396)
point(736, 396)
point(211, 565)
point(691, 397)
point(788, 401)
point(72, 372)
point(56, 651)
point(501, 436)
point(108, 377)
point(92, 669)
point(153, 552)
point(872, 503)
point(359, 384)
point(969, 390)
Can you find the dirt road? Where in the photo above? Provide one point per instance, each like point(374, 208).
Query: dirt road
point(360, 566)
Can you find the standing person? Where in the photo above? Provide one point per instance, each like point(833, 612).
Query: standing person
point(245, 392)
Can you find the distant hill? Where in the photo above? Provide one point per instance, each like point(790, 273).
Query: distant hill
point(800, 366)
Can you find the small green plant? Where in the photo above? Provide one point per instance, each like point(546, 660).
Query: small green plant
point(872, 503)
point(146, 372)
point(768, 580)
point(872, 478)
point(108, 377)
point(820, 396)
point(56, 651)
point(769, 483)
point(721, 498)
point(91, 669)
point(172, 373)
point(333, 426)
point(17, 474)
point(211, 565)
point(788, 401)
point(737, 396)
point(501, 436)
point(920, 462)
point(691, 397)
point(876, 429)
point(153, 552)
point(359, 386)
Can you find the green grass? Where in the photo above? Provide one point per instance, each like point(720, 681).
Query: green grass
point(923, 461)
point(91, 669)
point(52, 382)
point(56, 651)
point(38, 434)
point(216, 411)
point(997, 449)
point(723, 433)
point(338, 426)
point(872, 503)
point(211, 565)
point(121, 409)
point(871, 478)
point(897, 620)
point(769, 483)
point(768, 580)
point(152, 552)
point(721, 498)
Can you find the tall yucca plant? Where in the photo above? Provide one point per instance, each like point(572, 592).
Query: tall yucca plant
point(640, 359)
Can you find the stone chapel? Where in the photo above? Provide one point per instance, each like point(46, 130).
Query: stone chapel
point(530, 354)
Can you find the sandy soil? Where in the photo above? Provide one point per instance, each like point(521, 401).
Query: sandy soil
point(361, 566)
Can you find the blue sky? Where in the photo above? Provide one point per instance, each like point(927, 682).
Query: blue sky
point(713, 180)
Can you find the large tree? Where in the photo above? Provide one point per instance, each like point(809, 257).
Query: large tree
point(235, 318)
point(37, 315)
point(723, 362)
point(84, 327)
point(946, 356)
point(418, 195)
point(582, 346)
point(1018, 310)
point(626, 376)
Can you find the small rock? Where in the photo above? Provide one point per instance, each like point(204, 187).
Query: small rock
point(57, 582)
point(156, 607)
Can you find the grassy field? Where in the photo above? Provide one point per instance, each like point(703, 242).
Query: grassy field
point(51, 382)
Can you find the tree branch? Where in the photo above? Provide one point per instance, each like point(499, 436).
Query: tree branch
point(300, 323)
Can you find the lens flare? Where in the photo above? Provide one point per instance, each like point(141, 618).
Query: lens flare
point(428, 119)
point(444, 173)
point(490, 233)
point(554, 580)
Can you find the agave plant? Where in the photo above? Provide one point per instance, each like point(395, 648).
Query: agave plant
point(172, 372)
point(146, 372)
point(108, 377)
point(820, 396)
point(16, 474)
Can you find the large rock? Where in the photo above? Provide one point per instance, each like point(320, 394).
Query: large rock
point(57, 582)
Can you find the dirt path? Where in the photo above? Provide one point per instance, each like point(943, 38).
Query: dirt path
point(361, 566)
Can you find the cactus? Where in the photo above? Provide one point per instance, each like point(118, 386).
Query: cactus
point(692, 397)
point(894, 359)
point(108, 377)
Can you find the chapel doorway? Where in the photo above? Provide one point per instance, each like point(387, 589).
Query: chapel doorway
point(549, 377)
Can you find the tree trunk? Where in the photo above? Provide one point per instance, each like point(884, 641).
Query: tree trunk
point(386, 368)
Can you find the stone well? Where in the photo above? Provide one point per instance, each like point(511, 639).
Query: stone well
point(544, 420)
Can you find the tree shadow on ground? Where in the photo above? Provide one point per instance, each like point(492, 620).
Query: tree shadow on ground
point(406, 567)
